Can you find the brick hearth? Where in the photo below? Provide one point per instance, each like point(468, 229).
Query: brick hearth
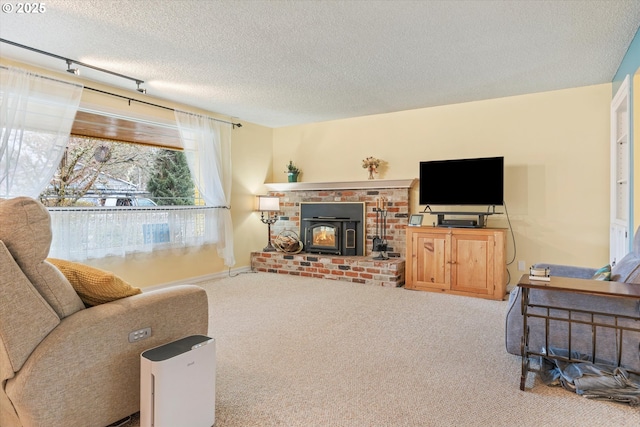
point(351, 269)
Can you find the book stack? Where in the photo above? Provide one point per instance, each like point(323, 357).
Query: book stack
point(539, 274)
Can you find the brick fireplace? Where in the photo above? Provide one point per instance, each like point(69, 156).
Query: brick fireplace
point(361, 269)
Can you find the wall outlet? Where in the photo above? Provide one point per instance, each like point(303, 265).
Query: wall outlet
point(521, 266)
point(139, 335)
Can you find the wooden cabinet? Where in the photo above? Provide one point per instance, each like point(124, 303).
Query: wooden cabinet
point(463, 261)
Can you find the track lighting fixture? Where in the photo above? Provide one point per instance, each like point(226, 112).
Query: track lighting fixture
point(76, 71)
point(70, 62)
point(72, 70)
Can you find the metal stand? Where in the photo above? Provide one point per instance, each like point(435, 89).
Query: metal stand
point(599, 322)
point(481, 222)
point(269, 220)
point(379, 242)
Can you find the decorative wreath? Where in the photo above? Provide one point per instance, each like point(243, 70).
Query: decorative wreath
point(288, 242)
point(102, 154)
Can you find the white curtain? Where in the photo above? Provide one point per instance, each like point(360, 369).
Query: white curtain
point(84, 233)
point(36, 116)
point(207, 147)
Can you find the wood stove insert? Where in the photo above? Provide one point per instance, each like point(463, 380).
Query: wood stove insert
point(333, 228)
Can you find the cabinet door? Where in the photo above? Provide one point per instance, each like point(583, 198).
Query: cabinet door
point(430, 265)
point(472, 263)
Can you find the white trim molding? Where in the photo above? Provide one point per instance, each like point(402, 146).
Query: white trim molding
point(341, 185)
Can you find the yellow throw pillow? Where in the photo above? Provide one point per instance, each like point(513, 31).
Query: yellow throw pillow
point(94, 286)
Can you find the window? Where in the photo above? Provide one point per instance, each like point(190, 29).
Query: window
point(104, 173)
point(110, 198)
point(97, 205)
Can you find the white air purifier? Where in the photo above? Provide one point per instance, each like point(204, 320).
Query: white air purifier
point(177, 383)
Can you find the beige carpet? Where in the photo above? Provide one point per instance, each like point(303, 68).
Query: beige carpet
point(297, 351)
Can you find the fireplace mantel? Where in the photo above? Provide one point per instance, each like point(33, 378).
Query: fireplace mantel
point(341, 185)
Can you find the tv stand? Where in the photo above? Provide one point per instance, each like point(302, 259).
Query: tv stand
point(459, 261)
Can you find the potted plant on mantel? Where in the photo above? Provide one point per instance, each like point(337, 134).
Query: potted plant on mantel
point(292, 172)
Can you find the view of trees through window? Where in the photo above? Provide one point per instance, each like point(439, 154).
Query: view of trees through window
point(98, 172)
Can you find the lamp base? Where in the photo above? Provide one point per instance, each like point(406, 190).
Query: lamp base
point(268, 221)
point(269, 248)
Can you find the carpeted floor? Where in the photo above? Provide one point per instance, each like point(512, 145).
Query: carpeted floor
point(297, 351)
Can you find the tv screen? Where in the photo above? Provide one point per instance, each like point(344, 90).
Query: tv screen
point(477, 181)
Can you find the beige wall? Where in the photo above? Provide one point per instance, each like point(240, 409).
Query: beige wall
point(556, 149)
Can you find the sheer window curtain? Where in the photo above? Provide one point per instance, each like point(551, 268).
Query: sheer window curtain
point(85, 233)
point(207, 146)
point(36, 115)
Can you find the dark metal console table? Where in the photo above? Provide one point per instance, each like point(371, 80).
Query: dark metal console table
point(583, 286)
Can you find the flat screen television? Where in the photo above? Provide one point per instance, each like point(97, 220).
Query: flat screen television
point(478, 181)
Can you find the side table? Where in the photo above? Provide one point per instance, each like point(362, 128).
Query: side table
point(583, 286)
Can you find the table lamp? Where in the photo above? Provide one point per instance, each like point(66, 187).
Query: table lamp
point(270, 205)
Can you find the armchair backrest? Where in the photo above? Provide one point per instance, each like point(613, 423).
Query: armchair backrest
point(25, 229)
point(627, 270)
point(25, 317)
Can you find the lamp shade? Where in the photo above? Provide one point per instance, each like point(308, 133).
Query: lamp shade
point(268, 203)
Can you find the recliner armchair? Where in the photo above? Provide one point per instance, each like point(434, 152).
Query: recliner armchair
point(627, 270)
point(64, 364)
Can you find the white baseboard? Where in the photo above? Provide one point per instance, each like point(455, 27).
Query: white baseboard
point(199, 279)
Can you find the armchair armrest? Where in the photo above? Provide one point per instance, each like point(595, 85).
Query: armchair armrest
point(568, 270)
point(87, 362)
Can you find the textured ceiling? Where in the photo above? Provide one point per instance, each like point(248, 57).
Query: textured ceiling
point(279, 63)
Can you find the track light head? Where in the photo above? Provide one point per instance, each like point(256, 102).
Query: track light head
point(72, 70)
point(141, 90)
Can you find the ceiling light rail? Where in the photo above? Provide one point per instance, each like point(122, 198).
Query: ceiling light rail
point(70, 62)
point(76, 71)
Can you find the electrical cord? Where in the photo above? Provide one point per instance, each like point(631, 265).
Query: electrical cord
point(513, 238)
point(121, 422)
point(241, 272)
